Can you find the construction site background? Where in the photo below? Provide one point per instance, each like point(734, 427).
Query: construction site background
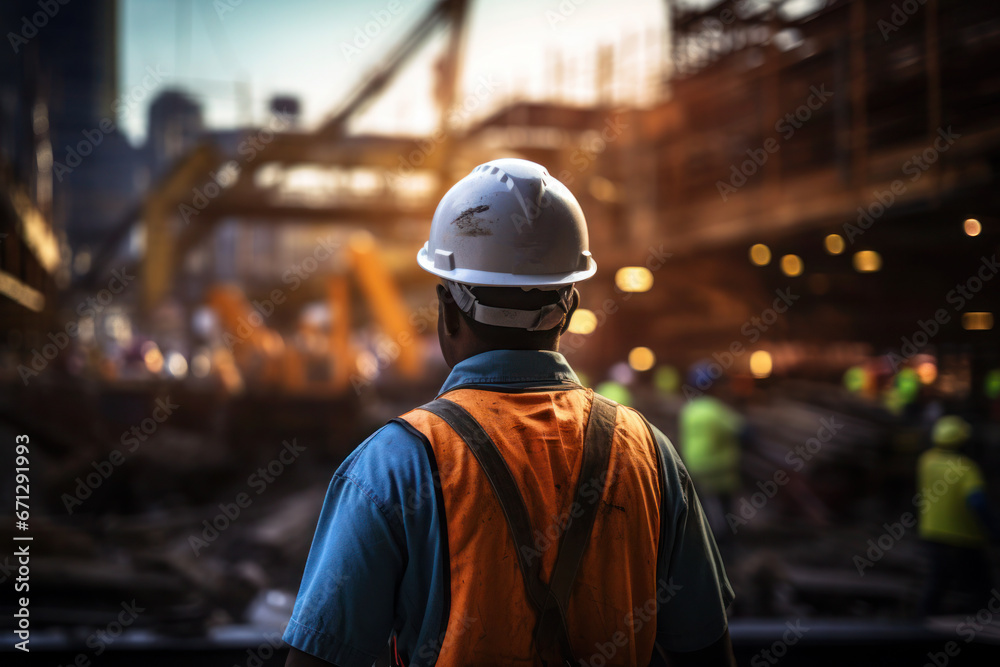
point(202, 320)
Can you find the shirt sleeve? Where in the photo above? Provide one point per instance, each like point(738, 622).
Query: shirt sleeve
point(355, 555)
point(689, 564)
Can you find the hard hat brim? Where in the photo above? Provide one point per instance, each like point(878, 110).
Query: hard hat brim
point(493, 279)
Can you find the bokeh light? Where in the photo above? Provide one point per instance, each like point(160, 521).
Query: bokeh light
point(908, 384)
point(667, 379)
point(867, 261)
point(201, 364)
point(991, 384)
point(977, 321)
point(791, 265)
point(761, 364)
point(583, 322)
point(634, 279)
point(834, 244)
point(176, 365)
point(855, 379)
point(641, 358)
point(760, 254)
point(616, 391)
point(927, 372)
point(153, 359)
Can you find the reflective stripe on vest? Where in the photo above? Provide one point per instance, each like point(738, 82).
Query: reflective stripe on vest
point(611, 606)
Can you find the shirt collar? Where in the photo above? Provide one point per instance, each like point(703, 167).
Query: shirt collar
point(512, 367)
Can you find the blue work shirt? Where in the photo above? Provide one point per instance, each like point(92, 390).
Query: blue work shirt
point(377, 562)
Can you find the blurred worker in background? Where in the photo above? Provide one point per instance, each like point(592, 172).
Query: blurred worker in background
point(955, 521)
point(520, 517)
point(710, 433)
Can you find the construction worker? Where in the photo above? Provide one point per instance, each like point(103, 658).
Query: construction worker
point(710, 434)
point(519, 518)
point(955, 521)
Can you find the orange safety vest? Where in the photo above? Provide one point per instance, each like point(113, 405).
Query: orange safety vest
point(603, 528)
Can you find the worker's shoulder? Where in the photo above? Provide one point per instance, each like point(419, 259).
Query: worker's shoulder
point(391, 451)
point(674, 478)
point(636, 420)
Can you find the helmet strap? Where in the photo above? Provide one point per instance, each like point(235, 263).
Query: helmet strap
point(543, 319)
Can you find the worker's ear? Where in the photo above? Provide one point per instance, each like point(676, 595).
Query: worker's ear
point(572, 309)
point(449, 315)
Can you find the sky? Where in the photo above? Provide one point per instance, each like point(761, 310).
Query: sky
point(234, 55)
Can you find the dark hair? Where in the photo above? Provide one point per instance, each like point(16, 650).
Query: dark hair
point(510, 338)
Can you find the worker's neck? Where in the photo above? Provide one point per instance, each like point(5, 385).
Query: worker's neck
point(478, 347)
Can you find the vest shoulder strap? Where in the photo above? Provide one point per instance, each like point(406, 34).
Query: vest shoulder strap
point(593, 471)
point(504, 487)
point(550, 601)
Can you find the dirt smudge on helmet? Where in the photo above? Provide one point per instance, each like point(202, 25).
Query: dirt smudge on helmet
point(468, 225)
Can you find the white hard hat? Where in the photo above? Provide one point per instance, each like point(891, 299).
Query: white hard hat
point(509, 224)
